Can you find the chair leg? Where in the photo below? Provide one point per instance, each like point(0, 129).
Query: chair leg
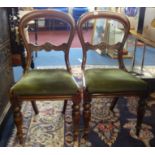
point(16, 107)
point(113, 104)
point(64, 107)
point(35, 108)
point(76, 118)
point(140, 114)
point(86, 115)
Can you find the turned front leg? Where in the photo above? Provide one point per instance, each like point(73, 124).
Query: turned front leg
point(76, 119)
point(18, 119)
point(86, 117)
point(86, 114)
point(140, 114)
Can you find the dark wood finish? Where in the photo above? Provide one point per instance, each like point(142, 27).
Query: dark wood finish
point(86, 113)
point(114, 102)
point(47, 46)
point(16, 107)
point(76, 117)
point(35, 108)
point(76, 98)
point(64, 107)
point(17, 48)
point(117, 47)
point(140, 113)
point(47, 14)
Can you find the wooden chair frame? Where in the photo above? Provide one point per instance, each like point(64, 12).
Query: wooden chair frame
point(119, 47)
point(17, 99)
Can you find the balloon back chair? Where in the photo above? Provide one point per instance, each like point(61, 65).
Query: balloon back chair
point(109, 82)
point(46, 84)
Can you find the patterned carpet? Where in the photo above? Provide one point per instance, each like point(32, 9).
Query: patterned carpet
point(52, 128)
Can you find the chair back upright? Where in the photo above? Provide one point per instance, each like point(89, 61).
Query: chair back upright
point(104, 45)
point(47, 46)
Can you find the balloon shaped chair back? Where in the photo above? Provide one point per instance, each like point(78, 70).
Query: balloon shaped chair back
point(46, 83)
point(113, 82)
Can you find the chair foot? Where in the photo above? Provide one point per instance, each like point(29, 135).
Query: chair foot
point(35, 108)
point(64, 107)
point(114, 102)
point(140, 114)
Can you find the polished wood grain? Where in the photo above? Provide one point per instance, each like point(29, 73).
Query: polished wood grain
point(47, 14)
point(75, 97)
point(117, 47)
point(47, 47)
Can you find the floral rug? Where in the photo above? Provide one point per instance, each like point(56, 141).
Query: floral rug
point(51, 128)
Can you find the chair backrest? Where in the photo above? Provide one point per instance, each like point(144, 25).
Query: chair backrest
point(115, 47)
point(47, 46)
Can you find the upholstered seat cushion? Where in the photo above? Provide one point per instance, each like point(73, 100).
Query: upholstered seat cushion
point(46, 82)
point(112, 80)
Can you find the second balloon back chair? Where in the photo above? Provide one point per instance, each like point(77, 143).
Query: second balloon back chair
point(46, 84)
point(109, 82)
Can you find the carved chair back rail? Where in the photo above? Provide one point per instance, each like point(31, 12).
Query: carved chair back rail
point(49, 14)
point(116, 47)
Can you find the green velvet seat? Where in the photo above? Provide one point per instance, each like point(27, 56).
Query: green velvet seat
point(112, 80)
point(108, 82)
point(46, 82)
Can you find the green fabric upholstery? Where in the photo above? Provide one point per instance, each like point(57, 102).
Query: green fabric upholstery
point(112, 80)
point(46, 82)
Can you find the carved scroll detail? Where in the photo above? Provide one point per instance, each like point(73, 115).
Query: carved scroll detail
point(47, 47)
point(103, 46)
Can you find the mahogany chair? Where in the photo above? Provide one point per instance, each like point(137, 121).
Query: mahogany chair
point(46, 84)
point(109, 82)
